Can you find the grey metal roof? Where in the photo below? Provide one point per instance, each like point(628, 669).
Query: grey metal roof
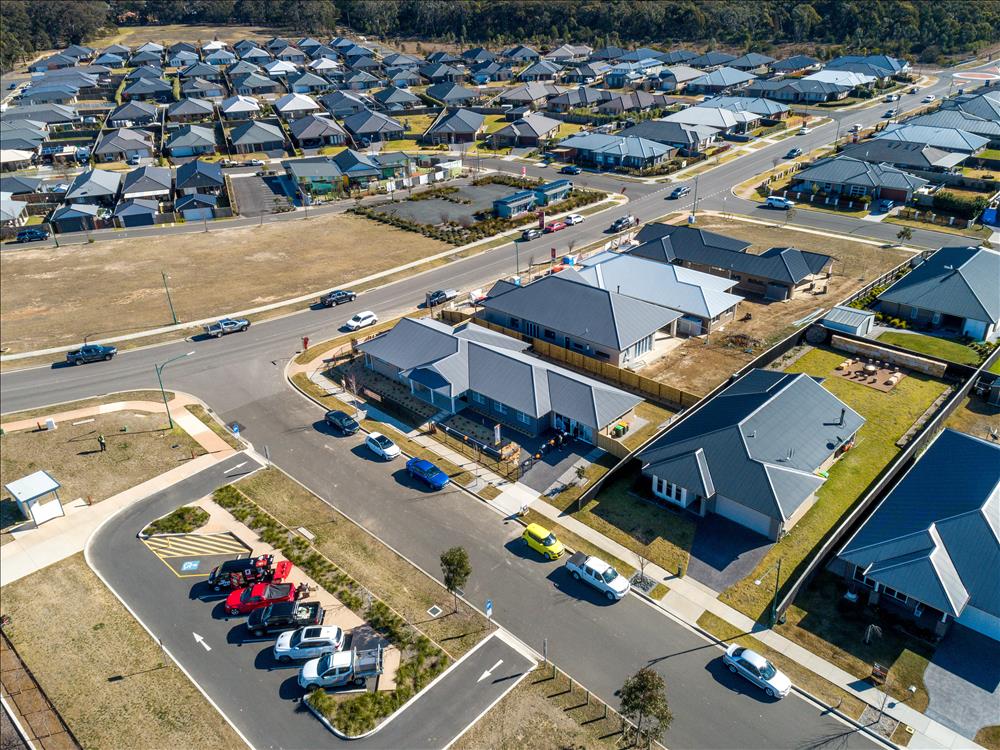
point(451, 92)
point(196, 200)
point(530, 92)
point(845, 170)
point(137, 207)
point(751, 60)
point(916, 155)
point(453, 360)
point(961, 281)
point(568, 304)
point(583, 96)
point(679, 134)
point(936, 535)
point(393, 95)
point(94, 183)
point(17, 184)
point(755, 104)
point(795, 62)
point(458, 121)
point(198, 173)
point(190, 135)
point(723, 77)
point(190, 106)
point(682, 289)
point(364, 122)
point(762, 440)
point(956, 118)
point(314, 126)
point(849, 316)
point(74, 211)
point(985, 104)
point(315, 166)
point(677, 56)
point(710, 58)
point(255, 132)
point(147, 178)
point(133, 111)
point(948, 139)
point(124, 139)
point(532, 125)
point(624, 146)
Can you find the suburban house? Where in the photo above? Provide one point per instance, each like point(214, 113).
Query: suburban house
point(579, 98)
point(147, 182)
point(361, 80)
point(128, 114)
point(313, 131)
point(515, 204)
point(395, 99)
point(703, 299)
point(766, 108)
point(123, 144)
point(478, 55)
point(77, 217)
point(148, 88)
point(314, 175)
point(52, 93)
point(634, 101)
point(441, 73)
point(687, 138)
point(201, 70)
point(913, 156)
point(543, 70)
point(190, 110)
point(795, 64)
point(308, 83)
point(880, 67)
point(590, 72)
point(136, 212)
point(552, 192)
point(945, 139)
point(342, 103)
point(961, 120)
point(566, 311)
point(13, 213)
point(956, 288)
point(361, 170)
point(719, 81)
point(94, 186)
point(853, 178)
point(242, 68)
point(190, 140)
point(253, 84)
point(239, 108)
point(199, 176)
point(568, 53)
point(220, 58)
point(452, 94)
point(711, 59)
point(292, 106)
point(454, 126)
point(632, 73)
point(54, 62)
point(484, 73)
point(200, 88)
point(723, 120)
point(615, 151)
point(797, 90)
point(676, 77)
point(373, 126)
point(611, 53)
point(756, 453)
point(470, 367)
point(253, 136)
point(677, 56)
point(530, 94)
point(752, 62)
point(530, 130)
point(930, 550)
point(778, 273)
point(520, 54)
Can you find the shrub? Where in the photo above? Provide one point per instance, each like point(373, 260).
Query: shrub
point(966, 208)
point(182, 521)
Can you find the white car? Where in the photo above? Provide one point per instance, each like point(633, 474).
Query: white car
point(573, 219)
point(805, 130)
point(382, 446)
point(776, 201)
point(758, 670)
point(362, 320)
point(928, 99)
point(308, 643)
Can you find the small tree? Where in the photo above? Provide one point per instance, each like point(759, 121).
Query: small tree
point(905, 234)
point(644, 703)
point(456, 569)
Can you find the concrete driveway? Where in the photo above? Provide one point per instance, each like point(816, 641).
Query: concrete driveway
point(963, 681)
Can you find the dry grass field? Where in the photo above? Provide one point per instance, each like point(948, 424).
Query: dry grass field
point(56, 296)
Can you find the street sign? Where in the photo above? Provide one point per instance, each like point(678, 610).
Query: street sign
point(236, 429)
point(489, 609)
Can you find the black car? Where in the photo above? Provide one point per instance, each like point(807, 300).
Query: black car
point(530, 234)
point(284, 616)
point(90, 353)
point(343, 423)
point(32, 234)
point(338, 297)
point(570, 169)
point(624, 222)
point(680, 192)
point(793, 153)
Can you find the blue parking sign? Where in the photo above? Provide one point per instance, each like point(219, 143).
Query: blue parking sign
point(190, 565)
point(489, 608)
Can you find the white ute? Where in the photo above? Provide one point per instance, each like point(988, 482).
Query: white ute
point(600, 575)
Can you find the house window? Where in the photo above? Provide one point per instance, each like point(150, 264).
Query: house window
point(549, 334)
point(501, 409)
point(522, 417)
point(859, 575)
point(515, 323)
point(913, 313)
point(478, 397)
point(894, 594)
point(936, 319)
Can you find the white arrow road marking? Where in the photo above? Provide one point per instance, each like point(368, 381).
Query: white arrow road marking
point(489, 671)
point(199, 639)
point(234, 468)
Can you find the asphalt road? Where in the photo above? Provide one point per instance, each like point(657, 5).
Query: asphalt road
point(258, 694)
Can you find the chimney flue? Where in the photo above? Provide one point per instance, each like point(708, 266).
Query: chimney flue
point(843, 415)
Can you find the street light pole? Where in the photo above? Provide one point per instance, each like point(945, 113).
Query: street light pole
point(170, 302)
point(777, 583)
point(159, 379)
point(517, 258)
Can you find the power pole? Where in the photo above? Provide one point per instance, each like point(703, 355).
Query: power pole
point(170, 302)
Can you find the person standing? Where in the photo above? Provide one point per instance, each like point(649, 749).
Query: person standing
point(102, 442)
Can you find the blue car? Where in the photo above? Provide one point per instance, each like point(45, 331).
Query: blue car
point(426, 472)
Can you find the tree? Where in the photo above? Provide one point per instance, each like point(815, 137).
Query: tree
point(644, 703)
point(456, 569)
point(905, 234)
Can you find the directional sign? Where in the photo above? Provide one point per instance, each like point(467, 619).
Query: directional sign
point(489, 671)
point(236, 429)
point(190, 565)
point(489, 608)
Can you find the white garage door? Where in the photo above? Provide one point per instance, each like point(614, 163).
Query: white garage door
point(982, 622)
point(743, 516)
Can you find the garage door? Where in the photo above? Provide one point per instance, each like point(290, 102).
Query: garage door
point(981, 622)
point(743, 516)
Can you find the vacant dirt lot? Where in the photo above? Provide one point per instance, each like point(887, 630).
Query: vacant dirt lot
point(74, 635)
point(56, 296)
point(699, 365)
point(177, 32)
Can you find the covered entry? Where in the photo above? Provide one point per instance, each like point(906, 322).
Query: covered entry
point(577, 429)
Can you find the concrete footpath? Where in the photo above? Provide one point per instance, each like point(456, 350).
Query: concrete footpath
point(36, 547)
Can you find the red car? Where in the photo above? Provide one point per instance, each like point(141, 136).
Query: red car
point(244, 601)
point(554, 226)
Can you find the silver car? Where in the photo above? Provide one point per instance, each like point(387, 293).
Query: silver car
point(758, 670)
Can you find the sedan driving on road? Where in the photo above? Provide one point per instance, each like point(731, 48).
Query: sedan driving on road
point(570, 169)
point(679, 192)
point(758, 670)
point(362, 320)
point(308, 643)
point(928, 99)
point(382, 446)
point(426, 472)
point(343, 423)
point(31, 234)
point(793, 153)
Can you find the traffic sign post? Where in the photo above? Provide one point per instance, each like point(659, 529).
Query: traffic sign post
point(489, 610)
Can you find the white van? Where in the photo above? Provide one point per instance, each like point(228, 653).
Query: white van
point(776, 201)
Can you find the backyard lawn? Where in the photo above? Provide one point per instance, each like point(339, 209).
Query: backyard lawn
point(889, 416)
point(952, 351)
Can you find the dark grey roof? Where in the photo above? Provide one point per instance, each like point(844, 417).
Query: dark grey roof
point(961, 281)
point(190, 135)
point(722, 77)
point(985, 104)
point(196, 200)
point(948, 139)
point(956, 118)
point(137, 207)
point(761, 441)
point(148, 178)
point(532, 125)
point(198, 173)
point(393, 95)
point(545, 68)
point(845, 170)
point(581, 97)
point(124, 139)
point(314, 166)
point(936, 536)
point(670, 133)
point(190, 106)
point(133, 111)
point(668, 243)
point(366, 121)
point(469, 356)
point(795, 62)
point(451, 92)
point(314, 126)
point(751, 60)
point(94, 183)
point(147, 86)
point(458, 121)
point(710, 58)
point(582, 311)
point(899, 153)
point(17, 184)
point(256, 132)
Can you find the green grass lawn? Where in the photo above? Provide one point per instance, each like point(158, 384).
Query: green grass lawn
point(933, 346)
point(995, 367)
point(889, 416)
point(494, 123)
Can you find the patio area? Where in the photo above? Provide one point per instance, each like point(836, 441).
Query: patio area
point(881, 376)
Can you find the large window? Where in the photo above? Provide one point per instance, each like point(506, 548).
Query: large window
point(859, 575)
point(477, 397)
point(522, 417)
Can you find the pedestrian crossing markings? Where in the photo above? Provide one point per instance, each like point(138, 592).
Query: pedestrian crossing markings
point(192, 545)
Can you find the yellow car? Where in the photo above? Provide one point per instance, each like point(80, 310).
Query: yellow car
point(542, 540)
